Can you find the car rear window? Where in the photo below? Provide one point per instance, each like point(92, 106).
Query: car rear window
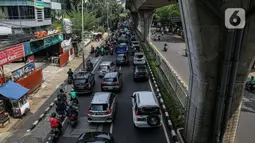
point(103, 67)
point(141, 69)
point(139, 56)
point(110, 79)
point(98, 107)
point(80, 81)
point(149, 110)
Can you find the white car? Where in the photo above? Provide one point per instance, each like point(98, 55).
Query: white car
point(105, 67)
point(139, 58)
point(146, 110)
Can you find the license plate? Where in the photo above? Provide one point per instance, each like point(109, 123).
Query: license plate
point(141, 119)
point(110, 87)
point(99, 113)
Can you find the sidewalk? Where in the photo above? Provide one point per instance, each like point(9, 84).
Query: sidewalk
point(40, 100)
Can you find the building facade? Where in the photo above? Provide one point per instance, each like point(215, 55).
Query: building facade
point(28, 15)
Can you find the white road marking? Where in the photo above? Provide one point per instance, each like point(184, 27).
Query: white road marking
point(97, 64)
point(111, 128)
point(163, 123)
point(120, 68)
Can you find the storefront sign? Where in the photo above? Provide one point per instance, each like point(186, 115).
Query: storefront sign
point(11, 54)
point(39, 3)
point(23, 71)
point(38, 45)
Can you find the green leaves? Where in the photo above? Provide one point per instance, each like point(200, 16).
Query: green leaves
point(164, 14)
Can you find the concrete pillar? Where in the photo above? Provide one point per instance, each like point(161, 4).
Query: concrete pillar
point(135, 20)
point(205, 34)
point(145, 17)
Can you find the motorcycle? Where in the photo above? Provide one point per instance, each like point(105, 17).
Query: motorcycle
point(55, 133)
point(73, 120)
point(250, 87)
point(111, 51)
point(165, 49)
point(70, 79)
point(61, 114)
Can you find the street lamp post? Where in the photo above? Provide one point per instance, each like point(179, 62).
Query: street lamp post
point(82, 17)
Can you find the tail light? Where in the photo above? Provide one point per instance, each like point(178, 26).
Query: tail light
point(103, 83)
point(117, 61)
point(146, 75)
point(117, 82)
point(70, 117)
point(134, 74)
point(108, 111)
point(137, 112)
point(89, 86)
point(89, 112)
point(126, 60)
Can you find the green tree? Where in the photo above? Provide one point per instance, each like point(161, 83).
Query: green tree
point(164, 14)
point(75, 16)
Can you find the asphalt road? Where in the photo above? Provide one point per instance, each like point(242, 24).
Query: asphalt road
point(122, 128)
point(174, 56)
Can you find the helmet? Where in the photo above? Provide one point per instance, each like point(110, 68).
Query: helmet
point(61, 91)
point(70, 69)
point(53, 115)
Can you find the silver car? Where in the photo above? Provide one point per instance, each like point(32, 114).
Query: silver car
point(139, 58)
point(102, 108)
point(146, 110)
point(105, 67)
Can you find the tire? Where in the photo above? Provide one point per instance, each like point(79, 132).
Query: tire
point(153, 120)
point(134, 79)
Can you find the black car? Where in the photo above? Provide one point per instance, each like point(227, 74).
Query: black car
point(140, 72)
point(96, 137)
point(112, 81)
point(83, 82)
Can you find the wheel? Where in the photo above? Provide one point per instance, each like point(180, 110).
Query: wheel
point(134, 79)
point(153, 120)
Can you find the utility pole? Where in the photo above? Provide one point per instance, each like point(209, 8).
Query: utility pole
point(19, 16)
point(82, 9)
point(107, 16)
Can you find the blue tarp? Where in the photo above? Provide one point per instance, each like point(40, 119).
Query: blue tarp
point(13, 90)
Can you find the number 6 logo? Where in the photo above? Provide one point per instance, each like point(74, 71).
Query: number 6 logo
point(235, 18)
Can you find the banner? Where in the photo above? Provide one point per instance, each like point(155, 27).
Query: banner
point(23, 72)
point(38, 3)
point(11, 54)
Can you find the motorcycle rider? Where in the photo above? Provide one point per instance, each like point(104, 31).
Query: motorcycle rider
point(54, 122)
point(73, 111)
point(89, 64)
point(61, 102)
point(62, 95)
point(165, 47)
point(74, 98)
point(70, 73)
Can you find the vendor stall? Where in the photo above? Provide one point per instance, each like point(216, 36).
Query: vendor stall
point(15, 99)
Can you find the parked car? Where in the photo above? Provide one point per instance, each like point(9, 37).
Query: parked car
point(102, 108)
point(122, 59)
point(146, 109)
point(112, 81)
point(83, 82)
point(140, 72)
point(96, 137)
point(139, 58)
point(105, 67)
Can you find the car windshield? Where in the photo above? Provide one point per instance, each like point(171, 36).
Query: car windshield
point(103, 67)
point(110, 79)
point(98, 107)
point(148, 110)
point(141, 69)
point(80, 81)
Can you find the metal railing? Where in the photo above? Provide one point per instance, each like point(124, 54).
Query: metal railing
point(177, 85)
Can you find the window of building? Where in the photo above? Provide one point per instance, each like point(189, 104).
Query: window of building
point(21, 12)
point(47, 13)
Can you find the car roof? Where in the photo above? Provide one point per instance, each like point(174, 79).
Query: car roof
point(105, 63)
point(123, 44)
point(100, 97)
point(88, 136)
point(139, 53)
point(146, 98)
point(111, 75)
point(81, 75)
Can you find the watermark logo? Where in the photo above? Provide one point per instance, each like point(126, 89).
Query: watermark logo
point(235, 18)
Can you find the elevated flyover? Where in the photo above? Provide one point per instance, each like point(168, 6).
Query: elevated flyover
point(220, 60)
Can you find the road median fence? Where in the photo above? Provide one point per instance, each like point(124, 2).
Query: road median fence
point(173, 91)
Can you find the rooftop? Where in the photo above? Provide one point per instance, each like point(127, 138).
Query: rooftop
point(13, 39)
point(111, 75)
point(100, 97)
point(146, 98)
point(105, 63)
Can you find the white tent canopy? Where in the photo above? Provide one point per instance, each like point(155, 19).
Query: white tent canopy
point(5, 30)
